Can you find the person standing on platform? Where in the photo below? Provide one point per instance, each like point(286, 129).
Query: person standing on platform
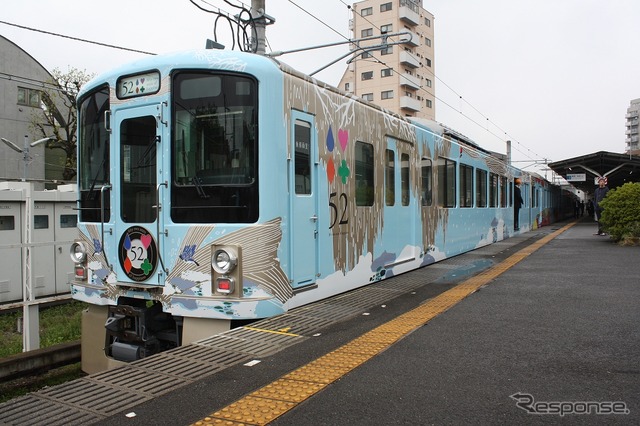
point(517, 203)
point(599, 194)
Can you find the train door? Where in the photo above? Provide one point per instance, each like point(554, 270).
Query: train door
point(397, 170)
point(304, 203)
point(137, 187)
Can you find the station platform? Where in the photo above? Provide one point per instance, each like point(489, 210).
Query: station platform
point(541, 328)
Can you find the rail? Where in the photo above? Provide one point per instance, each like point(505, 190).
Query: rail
point(39, 360)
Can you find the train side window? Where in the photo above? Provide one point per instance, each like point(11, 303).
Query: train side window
point(493, 190)
point(364, 174)
point(427, 182)
point(303, 158)
point(446, 182)
point(481, 188)
point(503, 191)
point(466, 186)
point(390, 178)
point(404, 178)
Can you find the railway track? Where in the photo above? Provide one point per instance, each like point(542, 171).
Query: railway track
point(38, 361)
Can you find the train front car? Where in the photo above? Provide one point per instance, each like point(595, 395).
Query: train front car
point(179, 232)
point(221, 186)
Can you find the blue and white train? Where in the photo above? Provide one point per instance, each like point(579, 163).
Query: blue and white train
point(218, 186)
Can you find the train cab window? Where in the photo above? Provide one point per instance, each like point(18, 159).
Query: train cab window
point(390, 178)
point(364, 174)
point(426, 171)
point(466, 186)
point(493, 190)
point(404, 178)
point(302, 160)
point(446, 182)
point(214, 148)
point(503, 191)
point(138, 169)
point(93, 156)
point(481, 188)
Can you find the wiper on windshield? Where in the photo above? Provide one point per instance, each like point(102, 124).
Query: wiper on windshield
point(197, 182)
point(89, 195)
point(145, 158)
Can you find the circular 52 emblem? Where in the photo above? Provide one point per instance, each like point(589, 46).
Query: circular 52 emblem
point(138, 253)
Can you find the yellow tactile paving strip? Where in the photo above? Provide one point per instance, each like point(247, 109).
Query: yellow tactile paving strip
point(271, 401)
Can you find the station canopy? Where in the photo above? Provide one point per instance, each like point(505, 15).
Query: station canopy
point(583, 171)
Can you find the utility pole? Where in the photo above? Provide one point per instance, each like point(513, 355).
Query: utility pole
point(258, 14)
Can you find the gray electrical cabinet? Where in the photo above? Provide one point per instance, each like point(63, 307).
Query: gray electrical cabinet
point(10, 246)
point(43, 277)
point(66, 231)
point(54, 227)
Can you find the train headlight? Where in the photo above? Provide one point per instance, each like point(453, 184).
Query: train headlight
point(224, 260)
point(226, 270)
point(78, 252)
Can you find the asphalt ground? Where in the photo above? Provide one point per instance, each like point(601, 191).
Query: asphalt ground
point(553, 339)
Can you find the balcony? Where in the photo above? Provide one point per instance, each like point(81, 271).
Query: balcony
point(409, 103)
point(409, 81)
point(409, 16)
point(409, 60)
point(410, 38)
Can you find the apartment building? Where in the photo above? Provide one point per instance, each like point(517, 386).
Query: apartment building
point(633, 145)
point(395, 72)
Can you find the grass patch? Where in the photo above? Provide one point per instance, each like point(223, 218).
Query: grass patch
point(58, 324)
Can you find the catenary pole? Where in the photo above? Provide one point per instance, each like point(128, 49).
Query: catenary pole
point(257, 13)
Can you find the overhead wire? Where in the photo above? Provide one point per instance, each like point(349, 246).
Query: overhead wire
point(466, 116)
point(241, 33)
point(242, 25)
point(76, 38)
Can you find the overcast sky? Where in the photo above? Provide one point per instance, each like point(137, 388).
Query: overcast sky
point(553, 76)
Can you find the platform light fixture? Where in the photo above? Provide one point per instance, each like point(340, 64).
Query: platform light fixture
point(26, 156)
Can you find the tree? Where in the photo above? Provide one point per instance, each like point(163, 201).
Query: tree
point(60, 115)
point(621, 215)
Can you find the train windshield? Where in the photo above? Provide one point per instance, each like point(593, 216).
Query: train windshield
point(214, 148)
point(93, 156)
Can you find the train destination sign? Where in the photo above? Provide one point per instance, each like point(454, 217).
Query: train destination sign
point(138, 85)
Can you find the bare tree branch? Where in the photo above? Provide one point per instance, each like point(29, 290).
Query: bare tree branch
point(58, 116)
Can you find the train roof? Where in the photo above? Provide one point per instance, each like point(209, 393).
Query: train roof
point(254, 64)
point(197, 59)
